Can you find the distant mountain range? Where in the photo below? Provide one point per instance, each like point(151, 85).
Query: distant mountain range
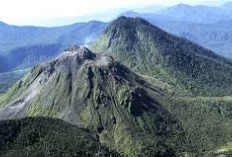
point(23, 47)
point(216, 37)
point(197, 14)
point(188, 13)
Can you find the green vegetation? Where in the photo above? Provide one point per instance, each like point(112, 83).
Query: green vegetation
point(207, 26)
point(178, 103)
point(95, 92)
point(196, 82)
point(205, 121)
point(48, 137)
point(148, 50)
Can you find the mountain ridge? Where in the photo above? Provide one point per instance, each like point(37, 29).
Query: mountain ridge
point(169, 55)
point(197, 14)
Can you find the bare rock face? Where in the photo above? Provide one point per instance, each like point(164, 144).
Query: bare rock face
point(93, 91)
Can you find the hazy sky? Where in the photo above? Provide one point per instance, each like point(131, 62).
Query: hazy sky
point(22, 12)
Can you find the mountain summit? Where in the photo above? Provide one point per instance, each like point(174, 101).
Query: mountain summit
point(95, 92)
point(151, 51)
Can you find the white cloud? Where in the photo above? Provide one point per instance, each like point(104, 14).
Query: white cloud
point(22, 11)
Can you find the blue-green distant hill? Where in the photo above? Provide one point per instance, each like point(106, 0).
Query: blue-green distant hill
point(23, 47)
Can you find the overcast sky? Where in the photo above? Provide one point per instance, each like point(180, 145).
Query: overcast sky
point(22, 12)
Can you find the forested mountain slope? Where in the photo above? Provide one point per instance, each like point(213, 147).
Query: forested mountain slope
point(48, 137)
point(151, 51)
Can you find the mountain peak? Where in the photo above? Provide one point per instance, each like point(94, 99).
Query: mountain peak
point(182, 5)
point(124, 32)
point(77, 55)
point(126, 28)
point(152, 51)
point(95, 92)
point(123, 20)
point(81, 52)
point(129, 14)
